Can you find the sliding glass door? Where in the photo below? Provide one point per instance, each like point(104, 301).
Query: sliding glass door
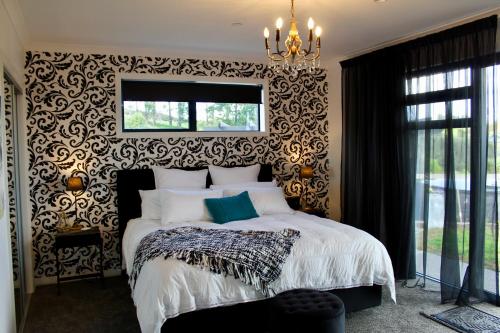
point(491, 99)
point(453, 115)
point(443, 152)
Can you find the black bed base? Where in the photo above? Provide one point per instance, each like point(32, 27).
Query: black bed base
point(254, 316)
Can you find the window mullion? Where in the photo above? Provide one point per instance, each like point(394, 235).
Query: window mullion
point(440, 96)
point(192, 116)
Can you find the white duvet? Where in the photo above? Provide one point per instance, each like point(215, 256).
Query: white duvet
point(328, 255)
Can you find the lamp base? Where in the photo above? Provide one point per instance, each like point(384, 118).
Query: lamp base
point(307, 209)
point(68, 229)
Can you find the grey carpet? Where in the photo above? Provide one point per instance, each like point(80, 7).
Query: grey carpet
point(404, 316)
point(84, 307)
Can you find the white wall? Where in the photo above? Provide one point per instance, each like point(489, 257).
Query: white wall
point(12, 37)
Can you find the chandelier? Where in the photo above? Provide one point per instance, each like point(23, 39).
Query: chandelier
point(294, 58)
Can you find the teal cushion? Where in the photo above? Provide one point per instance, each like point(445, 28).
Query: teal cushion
point(238, 207)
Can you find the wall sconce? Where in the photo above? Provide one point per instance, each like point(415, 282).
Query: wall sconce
point(75, 184)
point(306, 172)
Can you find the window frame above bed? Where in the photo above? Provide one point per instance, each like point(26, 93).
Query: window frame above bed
point(196, 82)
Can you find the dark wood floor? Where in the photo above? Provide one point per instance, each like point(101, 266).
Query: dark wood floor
point(83, 307)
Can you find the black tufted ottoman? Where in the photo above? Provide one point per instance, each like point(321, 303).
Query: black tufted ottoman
point(306, 310)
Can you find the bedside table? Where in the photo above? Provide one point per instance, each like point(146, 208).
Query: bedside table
point(70, 239)
point(313, 211)
point(294, 203)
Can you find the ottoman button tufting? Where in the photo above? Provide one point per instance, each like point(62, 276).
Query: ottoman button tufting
point(306, 310)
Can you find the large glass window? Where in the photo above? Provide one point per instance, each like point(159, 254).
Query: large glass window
point(491, 96)
point(171, 106)
point(441, 115)
point(439, 108)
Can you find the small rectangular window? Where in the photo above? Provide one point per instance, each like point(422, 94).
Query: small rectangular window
point(180, 106)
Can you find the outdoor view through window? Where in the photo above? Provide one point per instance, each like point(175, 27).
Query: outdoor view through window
point(175, 116)
point(437, 117)
point(156, 115)
point(227, 116)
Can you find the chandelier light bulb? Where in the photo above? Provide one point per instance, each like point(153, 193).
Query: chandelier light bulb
point(318, 31)
point(310, 23)
point(266, 32)
point(279, 23)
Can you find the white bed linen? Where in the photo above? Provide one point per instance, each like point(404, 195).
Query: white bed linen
point(328, 255)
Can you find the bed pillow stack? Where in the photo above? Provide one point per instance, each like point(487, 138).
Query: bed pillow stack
point(266, 201)
point(186, 206)
point(236, 175)
point(266, 197)
point(180, 179)
point(179, 196)
point(236, 194)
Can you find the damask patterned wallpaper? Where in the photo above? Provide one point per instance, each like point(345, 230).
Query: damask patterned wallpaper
point(71, 124)
point(9, 135)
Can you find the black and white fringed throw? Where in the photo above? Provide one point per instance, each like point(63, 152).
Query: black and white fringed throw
point(254, 257)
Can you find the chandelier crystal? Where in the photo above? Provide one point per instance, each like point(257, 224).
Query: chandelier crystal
point(294, 58)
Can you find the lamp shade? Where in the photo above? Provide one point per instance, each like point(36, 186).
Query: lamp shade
point(306, 171)
point(74, 184)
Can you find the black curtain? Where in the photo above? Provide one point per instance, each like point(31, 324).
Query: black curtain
point(415, 118)
point(377, 154)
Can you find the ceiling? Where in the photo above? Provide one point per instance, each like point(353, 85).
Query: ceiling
point(198, 26)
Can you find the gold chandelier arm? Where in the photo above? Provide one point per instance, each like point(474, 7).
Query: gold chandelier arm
point(309, 48)
point(274, 56)
point(278, 47)
point(318, 48)
point(315, 55)
point(287, 54)
point(278, 56)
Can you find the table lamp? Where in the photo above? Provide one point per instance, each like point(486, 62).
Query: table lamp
point(306, 172)
point(75, 184)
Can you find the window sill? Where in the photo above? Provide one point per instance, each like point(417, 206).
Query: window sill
point(159, 135)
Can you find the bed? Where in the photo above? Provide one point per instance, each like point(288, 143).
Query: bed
point(172, 296)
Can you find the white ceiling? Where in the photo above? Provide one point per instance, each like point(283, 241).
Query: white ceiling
point(206, 25)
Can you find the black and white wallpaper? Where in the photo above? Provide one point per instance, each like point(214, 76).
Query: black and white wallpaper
point(71, 124)
point(9, 154)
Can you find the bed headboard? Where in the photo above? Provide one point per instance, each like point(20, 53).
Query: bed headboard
point(129, 182)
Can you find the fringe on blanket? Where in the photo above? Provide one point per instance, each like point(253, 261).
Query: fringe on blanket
point(228, 266)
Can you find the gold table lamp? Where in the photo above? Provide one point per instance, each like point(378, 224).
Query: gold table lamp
point(306, 172)
point(75, 184)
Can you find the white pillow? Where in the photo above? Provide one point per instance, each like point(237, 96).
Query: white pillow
point(176, 178)
point(236, 175)
point(266, 201)
point(244, 186)
point(150, 204)
point(186, 206)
